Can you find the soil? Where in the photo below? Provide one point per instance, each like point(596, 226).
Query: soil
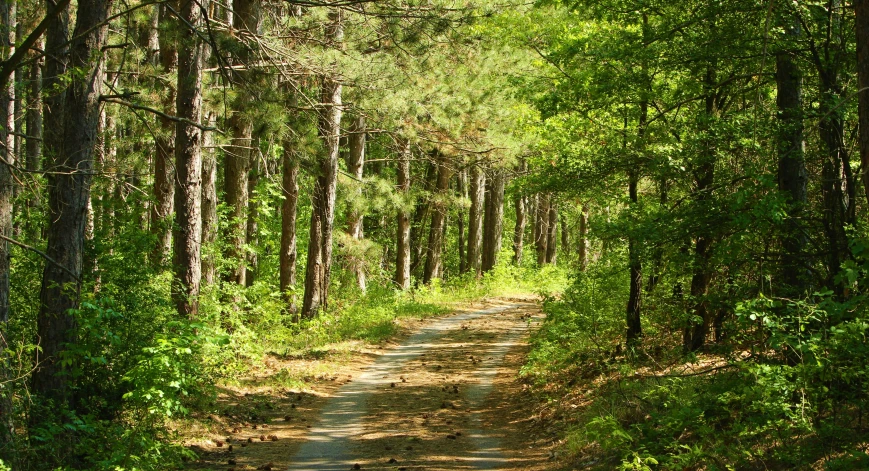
point(445, 396)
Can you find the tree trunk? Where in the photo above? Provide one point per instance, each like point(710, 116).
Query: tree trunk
point(792, 177)
point(462, 190)
point(583, 238)
point(519, 229)
point(420, 216)
point(319, 261)
point(402, 250)
point(290, 191)
point(8, 23)
point(541, 228)
point(494, 221)
point(164, 172)
point(209, 204)
point(33, 144)
point(704, 176)
point(355, 166)
point(837, 185)
point(635, 329)
point(73, 118)
point(238, 157)
point(477, 192)
point(552, 233)
point(188, 162)
point(251, 230)
point(861, 8)
point(520, 207)
point(433, 262)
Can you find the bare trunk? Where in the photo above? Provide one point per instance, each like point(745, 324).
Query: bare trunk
point(290, 191)
point(704, 176)
point(402, 251)
point(635, 329)
point(433, 262)
point(792, 177)
point(583, 238)
point(462, 189)
point(73, 121)
point(355, 166)
point(188, 162)
point(251, 229)
point(246, 16)
point(477, 192)
point(164, 171)
point(541, 228)
point(319, 261)
point(494, 222)
point(33, 145)
point(552, 233)
point(861, 8)
point(8, 23)
point(519, 229)
point(209, 204)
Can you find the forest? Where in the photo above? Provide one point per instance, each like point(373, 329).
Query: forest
point(190, 189)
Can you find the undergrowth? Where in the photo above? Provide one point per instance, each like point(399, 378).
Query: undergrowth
point(785, 389)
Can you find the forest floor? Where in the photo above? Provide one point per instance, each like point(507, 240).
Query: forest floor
point(443, 395)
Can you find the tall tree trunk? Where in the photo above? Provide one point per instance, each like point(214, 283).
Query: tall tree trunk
point(433, 261)
point(402, 250)
point(246, 16)
point(565, 234)
point(519, 229)
point(355, 167)
point(319, 261)
point(188, 161)
point(33, 145)
point(164, 171)
point(420, 216)
point(209, 204)
point(520, 207)
point(494, 221)
point(462, 189)
point(792, 177)
point(541, 228)
point(583, 238)
point(8, 23)
point(251, 229)
point(837, 185)
point(290, 191)
point(635, 266)
point(477, 192)
point(704, 176)
point(72, 144)
point(861, 8)
point(552, 232)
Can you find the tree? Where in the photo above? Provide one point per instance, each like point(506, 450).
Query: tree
point(188, 161)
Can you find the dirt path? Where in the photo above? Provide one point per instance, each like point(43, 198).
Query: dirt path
point(446, 398)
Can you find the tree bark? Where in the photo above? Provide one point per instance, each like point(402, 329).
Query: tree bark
point(247, 16)
point(33, 144)
point(8, 22)
point(72, 143)
point(552, 233)
point(290, 191)
point(861, 9)
point(209, 204)
point(402, 250)
point(355, 166)
point(541, 228)
point(164, 171)
point(319, 261)
point(704, 177)
point(251, 228)
point(635, 329)
point(462, 189)
point(494, 221)
point(477, 192)
point(792, 177)
point(583, 238)
point(188, 162)
point(520, 207)
point(433, 261)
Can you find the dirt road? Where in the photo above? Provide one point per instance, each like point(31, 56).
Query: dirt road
point(446, 398)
